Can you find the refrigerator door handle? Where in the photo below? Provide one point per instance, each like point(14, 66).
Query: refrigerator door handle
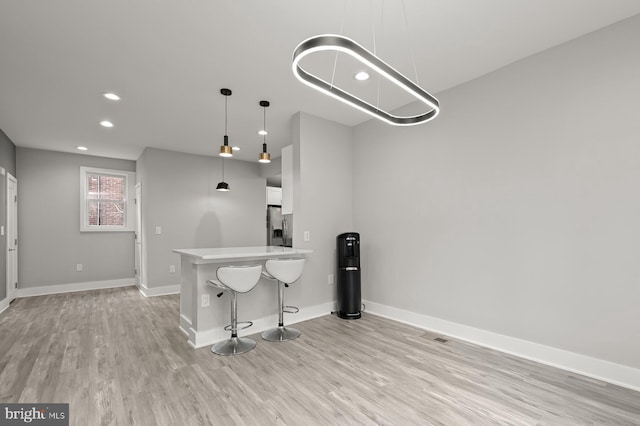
point(285, 230)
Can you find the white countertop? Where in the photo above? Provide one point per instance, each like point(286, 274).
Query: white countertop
point(240, 253)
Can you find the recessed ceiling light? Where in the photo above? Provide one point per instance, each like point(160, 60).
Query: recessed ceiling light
point(106, 123)
point(81, 148)
point(236, 148)
point(111, 96)
point(361, 76)
point(263, 132)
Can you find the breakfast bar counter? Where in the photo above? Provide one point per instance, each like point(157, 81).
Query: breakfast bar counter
point(202, 315)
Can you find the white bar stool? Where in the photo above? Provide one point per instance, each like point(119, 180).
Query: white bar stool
point(286, 271)
point(236, 279)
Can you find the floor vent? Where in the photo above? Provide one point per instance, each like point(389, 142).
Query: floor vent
point(441, 340)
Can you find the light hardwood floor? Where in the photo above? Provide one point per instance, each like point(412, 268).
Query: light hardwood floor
point(119, 358)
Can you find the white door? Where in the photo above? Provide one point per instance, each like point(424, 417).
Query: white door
point(12, 237)
point(138, 238)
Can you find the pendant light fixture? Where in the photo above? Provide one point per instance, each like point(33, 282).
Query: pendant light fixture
point(265, 157)
point(225, 149)
point(223, 186)
point(342, 44)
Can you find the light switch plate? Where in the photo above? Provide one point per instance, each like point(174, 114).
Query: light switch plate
point(158, 230)
point(1, 230)
point(307, 236)
point(205, 300)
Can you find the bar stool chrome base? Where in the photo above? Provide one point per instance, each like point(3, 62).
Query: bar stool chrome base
point(281, 334)
point(233, 346)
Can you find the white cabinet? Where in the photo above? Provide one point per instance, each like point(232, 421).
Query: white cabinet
point(287, 179)
point(274, 196)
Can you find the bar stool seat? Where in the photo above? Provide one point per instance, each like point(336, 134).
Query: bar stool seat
point(285, 271)
point(235, 279)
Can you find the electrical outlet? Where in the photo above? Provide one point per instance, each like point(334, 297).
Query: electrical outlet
point(307, 236)
point(158, 230)
point(79, 267)
point(330, 279)
point(172, 269)
point(205, 300)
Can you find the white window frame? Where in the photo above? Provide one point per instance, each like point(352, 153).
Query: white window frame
point(130, 217)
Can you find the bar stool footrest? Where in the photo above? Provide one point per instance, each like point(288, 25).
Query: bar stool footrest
point(290, 309)
point(247, 324)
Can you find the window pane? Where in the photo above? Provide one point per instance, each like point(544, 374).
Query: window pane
point(105, 213)
point(112, 214)
point(92, 213)
point(93, 183)
point(112, 188)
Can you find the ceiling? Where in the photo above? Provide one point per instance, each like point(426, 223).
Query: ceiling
point(169, 59)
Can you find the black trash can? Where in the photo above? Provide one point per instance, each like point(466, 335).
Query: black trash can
point(348, 286)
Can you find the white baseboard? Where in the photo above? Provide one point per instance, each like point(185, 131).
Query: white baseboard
point(185, 326)
point(158, 291)
point(606, 371)
point(4, 304)
point(199, 339)
point(69, 288)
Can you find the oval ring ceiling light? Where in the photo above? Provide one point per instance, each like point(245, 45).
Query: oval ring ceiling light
point(350, 47)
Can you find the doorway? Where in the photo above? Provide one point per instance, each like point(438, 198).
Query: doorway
point(12, 237)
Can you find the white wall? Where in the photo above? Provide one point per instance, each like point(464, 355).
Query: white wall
point(323, 200)
point(517, 210)
point(50, 241)
point(178, 194)
point(272, 171)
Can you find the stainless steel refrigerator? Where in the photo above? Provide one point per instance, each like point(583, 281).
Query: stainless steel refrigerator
point(279, 227)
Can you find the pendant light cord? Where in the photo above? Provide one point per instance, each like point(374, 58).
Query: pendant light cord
point(373, 26)
point(335, 61)
point(226, 98)
point(413, 57)
point(264, 124)
point(373, 29)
